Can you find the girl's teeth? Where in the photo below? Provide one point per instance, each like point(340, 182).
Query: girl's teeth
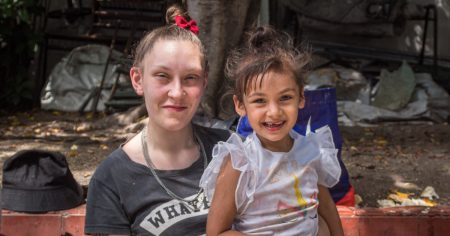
point(273, 124)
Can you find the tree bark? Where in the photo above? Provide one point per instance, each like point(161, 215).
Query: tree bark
point(222, 24)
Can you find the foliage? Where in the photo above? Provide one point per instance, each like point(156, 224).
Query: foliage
point(18, 44)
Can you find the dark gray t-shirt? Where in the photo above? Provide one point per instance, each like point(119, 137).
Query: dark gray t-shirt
point(124, 197)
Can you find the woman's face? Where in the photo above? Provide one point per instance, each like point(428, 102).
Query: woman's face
point(172, 81)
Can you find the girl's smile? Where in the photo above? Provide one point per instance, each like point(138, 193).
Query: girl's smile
point(274, 126)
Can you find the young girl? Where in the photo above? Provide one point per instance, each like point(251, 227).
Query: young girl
point(272, 183)
point(149, 185)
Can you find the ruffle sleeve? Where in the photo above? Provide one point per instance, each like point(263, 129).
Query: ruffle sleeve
point(328, 170)
point(235, 148)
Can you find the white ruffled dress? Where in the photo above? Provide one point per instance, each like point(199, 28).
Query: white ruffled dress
point(277, 191)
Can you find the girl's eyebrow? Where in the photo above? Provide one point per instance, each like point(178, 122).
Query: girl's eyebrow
point(257, 94)
point(287, 90)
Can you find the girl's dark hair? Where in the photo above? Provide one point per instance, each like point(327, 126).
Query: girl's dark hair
point(265, 49)
point(168, 32)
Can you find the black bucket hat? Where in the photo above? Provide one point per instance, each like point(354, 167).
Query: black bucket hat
point(39, 181)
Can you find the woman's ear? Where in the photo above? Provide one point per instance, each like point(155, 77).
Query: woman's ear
point(239, 106)
point(136, 80)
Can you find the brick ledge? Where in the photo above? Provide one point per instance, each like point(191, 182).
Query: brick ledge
point(412, 221)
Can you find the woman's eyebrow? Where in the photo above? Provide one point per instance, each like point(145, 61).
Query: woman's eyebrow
point(160, 67)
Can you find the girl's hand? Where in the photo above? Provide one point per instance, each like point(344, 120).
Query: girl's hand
point(327, 209)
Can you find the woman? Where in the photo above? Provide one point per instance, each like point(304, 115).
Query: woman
point(149, 185)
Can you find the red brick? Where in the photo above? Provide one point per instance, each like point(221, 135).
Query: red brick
point(397, 226)
point(443, 211)
point(346, 211)
point(441, 226)
point(350, 226)
point(30, 224)
point(80, 210)
point(73, 224)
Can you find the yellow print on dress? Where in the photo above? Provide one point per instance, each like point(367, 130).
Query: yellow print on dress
point(302, 204)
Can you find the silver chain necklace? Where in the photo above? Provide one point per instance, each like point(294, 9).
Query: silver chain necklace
point(150, 164)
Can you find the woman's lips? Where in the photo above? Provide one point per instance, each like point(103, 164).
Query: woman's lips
point(175, 108)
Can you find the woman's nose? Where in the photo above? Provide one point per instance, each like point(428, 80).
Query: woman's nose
point(176, 90)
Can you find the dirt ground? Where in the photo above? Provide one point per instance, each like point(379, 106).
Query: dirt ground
point(403, 157)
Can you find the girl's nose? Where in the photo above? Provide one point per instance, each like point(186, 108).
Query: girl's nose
point(273, 109)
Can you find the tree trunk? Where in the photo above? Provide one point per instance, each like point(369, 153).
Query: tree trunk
point(222, 24)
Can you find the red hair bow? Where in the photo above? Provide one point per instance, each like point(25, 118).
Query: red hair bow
point(183, 23)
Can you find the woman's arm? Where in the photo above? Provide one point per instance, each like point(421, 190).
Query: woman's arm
point(223, 208)
point(327, 209)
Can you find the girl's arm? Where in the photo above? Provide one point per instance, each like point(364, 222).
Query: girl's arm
point(223, 208)
point(327, 209)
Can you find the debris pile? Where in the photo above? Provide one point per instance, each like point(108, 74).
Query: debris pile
point(372, 91)
point(427, 198)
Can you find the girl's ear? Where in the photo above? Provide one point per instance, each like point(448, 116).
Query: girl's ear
point(136, 80)
point(239, 106)
point(301, 104)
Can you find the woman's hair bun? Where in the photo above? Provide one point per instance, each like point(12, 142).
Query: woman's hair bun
point(173, 11)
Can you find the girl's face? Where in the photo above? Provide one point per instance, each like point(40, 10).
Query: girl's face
point(272, 108)
point(172, 81)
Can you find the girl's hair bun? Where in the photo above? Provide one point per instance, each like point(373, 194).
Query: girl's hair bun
point(266, 39)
